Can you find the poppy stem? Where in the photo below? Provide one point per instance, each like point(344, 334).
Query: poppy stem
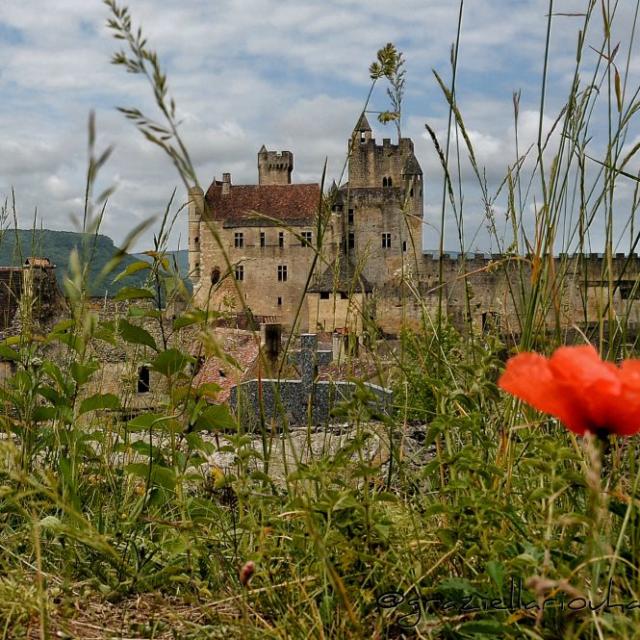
point(603, 441)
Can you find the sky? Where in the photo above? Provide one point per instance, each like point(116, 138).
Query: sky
point(291, 75)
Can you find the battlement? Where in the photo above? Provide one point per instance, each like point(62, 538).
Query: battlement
point(373, 165)
point(274, 167)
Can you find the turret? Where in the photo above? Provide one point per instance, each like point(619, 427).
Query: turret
point(362, 130)
point(274, 167)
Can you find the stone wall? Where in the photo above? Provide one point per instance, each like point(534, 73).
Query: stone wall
point(284, 402)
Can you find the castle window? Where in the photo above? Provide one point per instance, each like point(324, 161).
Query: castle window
point(362, 137)
point(343, 296)
point(282, 273)
point(281, 239)
point(386, 241)
point(411, 193)
point(196, 239)
point(384, 182)
point(352, 240)
point(629, 290)
point(389, 182)
point(144, 380)
point(239, 272)
point(324, 295)
point(350, 217)
point(238, 239)
point(215, 275)
point(307, 238)
point(263, 239)
point(404, 245)
point(279, 301)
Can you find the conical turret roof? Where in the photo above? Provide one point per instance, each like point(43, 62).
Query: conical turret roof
point(362, 124)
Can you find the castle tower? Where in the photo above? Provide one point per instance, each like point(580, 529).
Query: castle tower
point(274, 167)
point(381, 207)
point(362, 130)
point(414, 199)
point(196, 209)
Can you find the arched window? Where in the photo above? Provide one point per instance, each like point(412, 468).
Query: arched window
point(389, 182)
point(215, 275)
point(384, 181)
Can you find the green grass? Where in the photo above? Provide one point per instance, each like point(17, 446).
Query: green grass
point(114, 527)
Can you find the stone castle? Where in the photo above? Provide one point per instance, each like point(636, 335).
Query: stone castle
point(357, 253)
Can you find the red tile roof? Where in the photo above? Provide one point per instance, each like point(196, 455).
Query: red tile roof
point(245, 205)
point(242, 348)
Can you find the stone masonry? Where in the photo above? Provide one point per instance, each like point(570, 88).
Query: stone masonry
point(257, 246)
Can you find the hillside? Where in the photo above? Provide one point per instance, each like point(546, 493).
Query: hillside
point(16, 245)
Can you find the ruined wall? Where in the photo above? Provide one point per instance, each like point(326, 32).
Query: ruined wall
point(336, 312)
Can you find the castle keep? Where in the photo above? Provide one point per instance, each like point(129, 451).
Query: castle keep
point(358, 252)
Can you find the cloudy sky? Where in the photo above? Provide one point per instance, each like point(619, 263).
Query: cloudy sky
point(289, 74)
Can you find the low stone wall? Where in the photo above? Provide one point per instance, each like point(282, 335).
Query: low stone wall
point(285, 402)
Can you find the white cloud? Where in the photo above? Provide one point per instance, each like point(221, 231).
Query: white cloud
point(290, 75)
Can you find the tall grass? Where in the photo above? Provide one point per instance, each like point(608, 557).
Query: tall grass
point(455, 517)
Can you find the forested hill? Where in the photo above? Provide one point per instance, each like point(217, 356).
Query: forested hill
point(17, 245)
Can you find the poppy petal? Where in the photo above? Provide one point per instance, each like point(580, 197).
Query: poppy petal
point(625, 409)
point(530, 377)
point(581, 367)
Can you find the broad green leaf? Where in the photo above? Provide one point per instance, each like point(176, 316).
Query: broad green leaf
point(82, 372)
point(209, 389)
point(214, 418)
point(63, 326)
point(7, 353)
point(160, 476)
point(190, 317)
point(171, 361)
point(136, 335)
point(133, 293)
point(134, 267)
point(145, 422)
point(100, 401)
point(73, 341)
point(41, 414)
point(136, 312)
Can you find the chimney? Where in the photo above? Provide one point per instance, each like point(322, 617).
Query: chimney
point(226, 184)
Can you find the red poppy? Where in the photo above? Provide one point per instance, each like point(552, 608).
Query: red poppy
point(576, 386)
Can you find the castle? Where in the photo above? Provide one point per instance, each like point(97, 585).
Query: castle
point(357, 252)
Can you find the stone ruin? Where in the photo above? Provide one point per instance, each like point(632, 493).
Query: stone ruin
point(306, 401)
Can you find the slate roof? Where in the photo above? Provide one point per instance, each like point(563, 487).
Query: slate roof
point(362, 124)
point(245, 205)
point(347, 280)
